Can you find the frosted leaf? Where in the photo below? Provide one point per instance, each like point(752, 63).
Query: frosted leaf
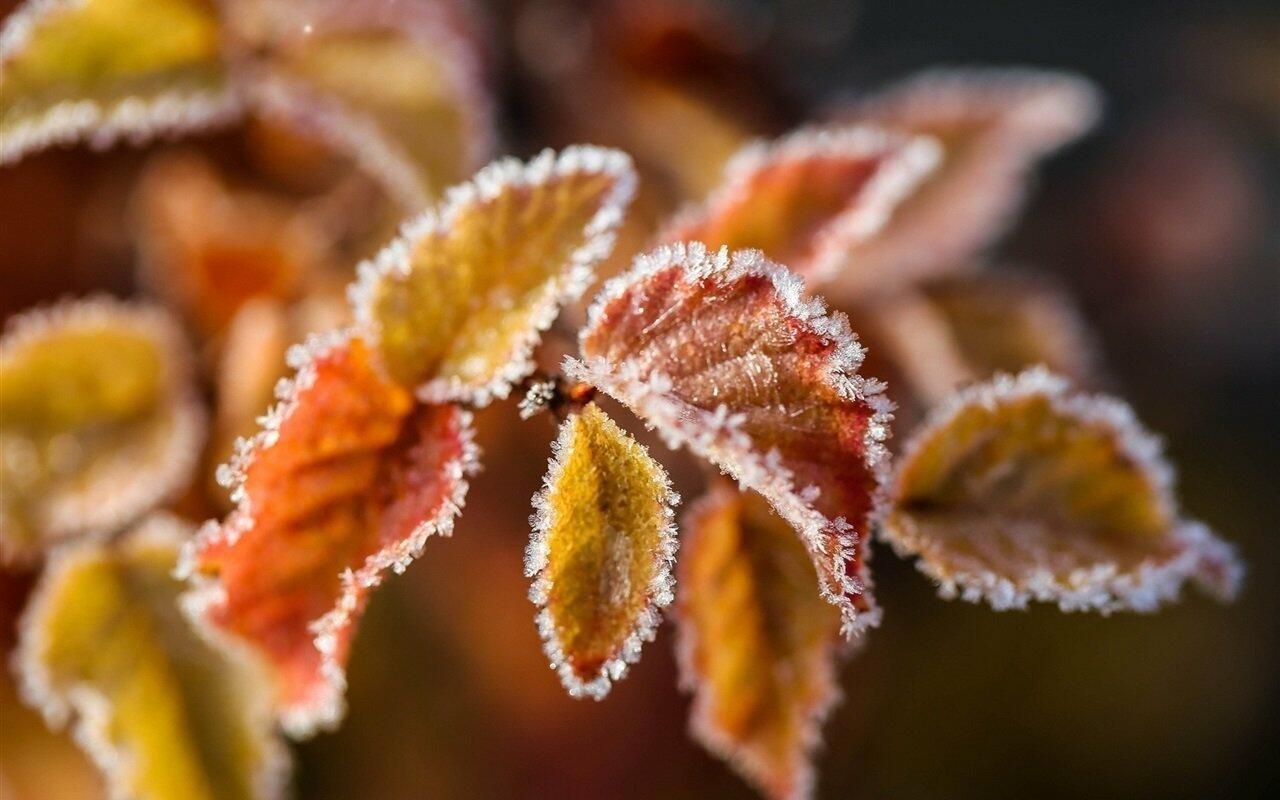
point(601, 552)
point(723, 354)
point(208, 250)
point(104, 70)
point(807, 199)
point(1019, 490)
point(993, 126)
point(458, 302)
point(757, 646)
point(163, 713)
point(391, 83)
point(346, 480)
point(99, 420)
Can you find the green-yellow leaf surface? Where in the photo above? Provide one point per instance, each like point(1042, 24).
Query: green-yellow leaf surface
point(105, 69)
point(1020, 490)
point(166, 715)
point(601, 552)
point(757, 643)
point(99, 420)
point(459, 301)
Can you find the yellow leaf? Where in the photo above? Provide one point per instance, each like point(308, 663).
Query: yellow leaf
point(165, 714)
point(108, 69)
point(391, 83)
point(459, 301)
point(1020, 490)
point(601, 552)
point(757, 645)
point(993, 125)
point(99, 420)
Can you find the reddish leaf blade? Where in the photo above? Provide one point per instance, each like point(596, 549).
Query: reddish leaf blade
point(757, 645)
point(345, 481)
point(724, 355)
point(1020, 490)
point(993, 125)
point(809, 198)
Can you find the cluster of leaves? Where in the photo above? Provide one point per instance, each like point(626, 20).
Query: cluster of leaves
point(179, 653)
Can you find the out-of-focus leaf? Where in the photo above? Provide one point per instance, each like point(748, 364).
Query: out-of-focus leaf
point(993, 125)
point(601, 552)
point(723, 354)
point(208, 250)
point(808, 199)
point(1020, 490)
point(390, 82)
point(459, 301)
point(346, 480)
point(757, 644)
point(102, 70)
point(164, 713)
point(99, 420)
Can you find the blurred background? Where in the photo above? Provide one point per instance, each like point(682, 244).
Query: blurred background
point(1165, 223)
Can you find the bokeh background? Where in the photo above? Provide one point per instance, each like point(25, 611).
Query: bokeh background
point(1166, 224)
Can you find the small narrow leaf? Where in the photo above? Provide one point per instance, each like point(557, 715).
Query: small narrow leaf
point(103, 70)
point(1019, 490)
point(99, 420)
point(993, 125)
point(391, 83)
point(165, 714)
point(459, 301)
point(207, 250)
point(723, 354)
point(757, 646)
point(806, 200)
point(601, 552)
point(345, 481)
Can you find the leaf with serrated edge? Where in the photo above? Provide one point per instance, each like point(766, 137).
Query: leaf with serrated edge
point(391, 83)
point(1020, 490)
point(601, 552)
point(993, 125)
point(164, 713)
point(99, 420)
point(346, 480)
point(724, 355)
point(208, 250)
point(459, 301)
point(807, 199)
point(757, 646)
point(103, 70)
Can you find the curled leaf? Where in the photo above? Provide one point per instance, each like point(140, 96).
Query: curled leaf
point(1020, 490)
point(208, 250)
point(601, 552)
point(809, 198)
point(723, 354)
point(99, 420)
point(162, 712)
point(459, 301)
point(993, 126)
point(103, 70)
point(757, 646)
point(345, 481)
point(390, 82)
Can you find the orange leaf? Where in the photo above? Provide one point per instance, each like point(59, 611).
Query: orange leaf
point(993, 126)
point(724, 355)
point(807, 199)
point(757, 644)
point(1020, 490)
point(346, 480)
